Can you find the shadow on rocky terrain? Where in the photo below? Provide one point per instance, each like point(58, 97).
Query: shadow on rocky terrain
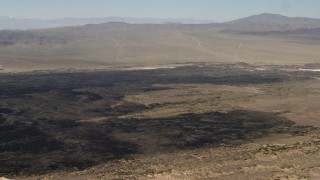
point(49, 145)
point(47, 120)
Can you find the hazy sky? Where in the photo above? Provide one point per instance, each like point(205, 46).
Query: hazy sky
point(219, 10)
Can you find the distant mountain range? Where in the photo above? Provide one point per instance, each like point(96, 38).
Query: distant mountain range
point(29, 23)
point(261, 22)
point(266, 38)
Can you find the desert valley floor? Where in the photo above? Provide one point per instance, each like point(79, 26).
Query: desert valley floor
point(183, 121)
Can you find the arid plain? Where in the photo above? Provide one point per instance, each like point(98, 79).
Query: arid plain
point(236, 100)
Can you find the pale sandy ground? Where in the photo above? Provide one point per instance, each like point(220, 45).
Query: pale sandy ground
point(300, 103)
point(148, 48)
point(191, 98)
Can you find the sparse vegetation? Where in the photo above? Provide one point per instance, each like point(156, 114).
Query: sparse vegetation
point(158, 122)
point(233, 100)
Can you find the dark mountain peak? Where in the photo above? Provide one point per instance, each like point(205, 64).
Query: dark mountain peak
point(112, 23)
point(275, 19)
point(271, 22)
point(269, 15)
point(263, 18)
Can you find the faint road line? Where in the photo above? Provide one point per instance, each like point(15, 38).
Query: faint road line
point(120, 51)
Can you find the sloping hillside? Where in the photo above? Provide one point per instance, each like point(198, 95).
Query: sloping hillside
point(109, 44)
point(272, 22)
